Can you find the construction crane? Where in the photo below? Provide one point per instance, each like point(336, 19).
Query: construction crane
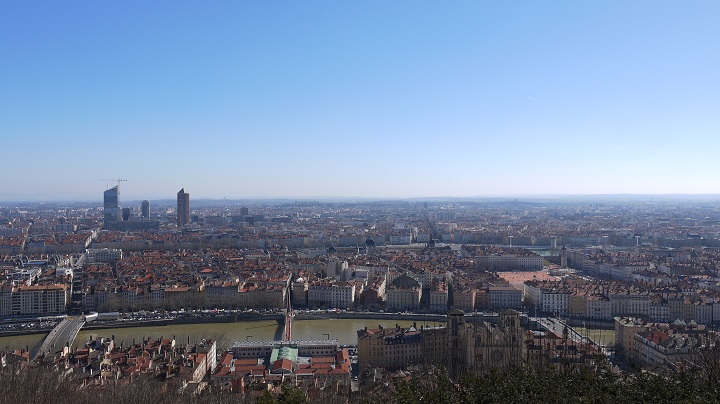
point(112, 179)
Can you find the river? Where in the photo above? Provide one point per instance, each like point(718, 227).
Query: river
point(344, 330)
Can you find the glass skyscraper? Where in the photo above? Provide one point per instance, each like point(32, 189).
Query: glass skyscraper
point(110, 207)
point(145, 209)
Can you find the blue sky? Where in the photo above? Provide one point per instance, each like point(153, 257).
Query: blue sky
point(358, 99)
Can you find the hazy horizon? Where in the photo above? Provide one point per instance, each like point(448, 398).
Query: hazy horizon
point(257, 100)
point(359, 199)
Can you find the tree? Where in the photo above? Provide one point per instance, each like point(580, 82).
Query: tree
point(267, 398)
point(291, 395)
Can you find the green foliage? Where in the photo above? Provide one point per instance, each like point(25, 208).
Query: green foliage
point(291, 395)
point(267, 398)
point(522, 384)
point(550, 384)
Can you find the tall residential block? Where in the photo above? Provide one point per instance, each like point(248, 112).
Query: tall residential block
point(145, 209)
point(110, 207)
point(183, 207)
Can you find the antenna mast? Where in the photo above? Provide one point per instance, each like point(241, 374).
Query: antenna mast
point(113, 179)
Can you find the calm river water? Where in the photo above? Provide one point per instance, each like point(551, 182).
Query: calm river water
point(344, 330)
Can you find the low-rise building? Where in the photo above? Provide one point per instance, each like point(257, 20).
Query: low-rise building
point(306, 363)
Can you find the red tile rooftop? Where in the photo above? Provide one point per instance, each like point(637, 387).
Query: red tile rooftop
point(251, 368)
point(42, 287)
point(322, 359)
point(245, 361)
point(322, 365)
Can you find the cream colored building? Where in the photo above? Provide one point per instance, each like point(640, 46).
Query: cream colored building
point(403, 298)
point(40, 299)
point(396, 348)
point(465, 299)
point(625, 330)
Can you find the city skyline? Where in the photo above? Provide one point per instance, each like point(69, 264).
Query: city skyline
point(376, 101)
point(137, 199)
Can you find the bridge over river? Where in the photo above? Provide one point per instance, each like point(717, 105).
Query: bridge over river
point(62, 335)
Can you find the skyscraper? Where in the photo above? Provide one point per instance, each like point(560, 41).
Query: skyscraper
point(145, 209)
point(110, 207)
point(183, 207)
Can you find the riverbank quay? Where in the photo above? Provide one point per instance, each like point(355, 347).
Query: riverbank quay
point(16, 333)
point(371, 316)
point(419, 318)
point(130, 322)
point(233, 318)
point(36, 325)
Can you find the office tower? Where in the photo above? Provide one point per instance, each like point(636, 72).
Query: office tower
point(244, 211)
point(110, 207)
point(125, 214)
point(183, 208)
point(145, 209)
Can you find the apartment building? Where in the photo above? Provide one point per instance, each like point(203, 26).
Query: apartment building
point(510, 262)
point(331, 294)
point(625, 330)
point(666, 345)
point(550, 297)
point(439, 297)
point(262, 296)
point(403, 298)
point(390, 348)
point(104, 254)
point(40, 300)
point(464, 298)
point(504, 296)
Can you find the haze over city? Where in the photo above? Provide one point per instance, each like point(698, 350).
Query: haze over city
point(368, 99)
